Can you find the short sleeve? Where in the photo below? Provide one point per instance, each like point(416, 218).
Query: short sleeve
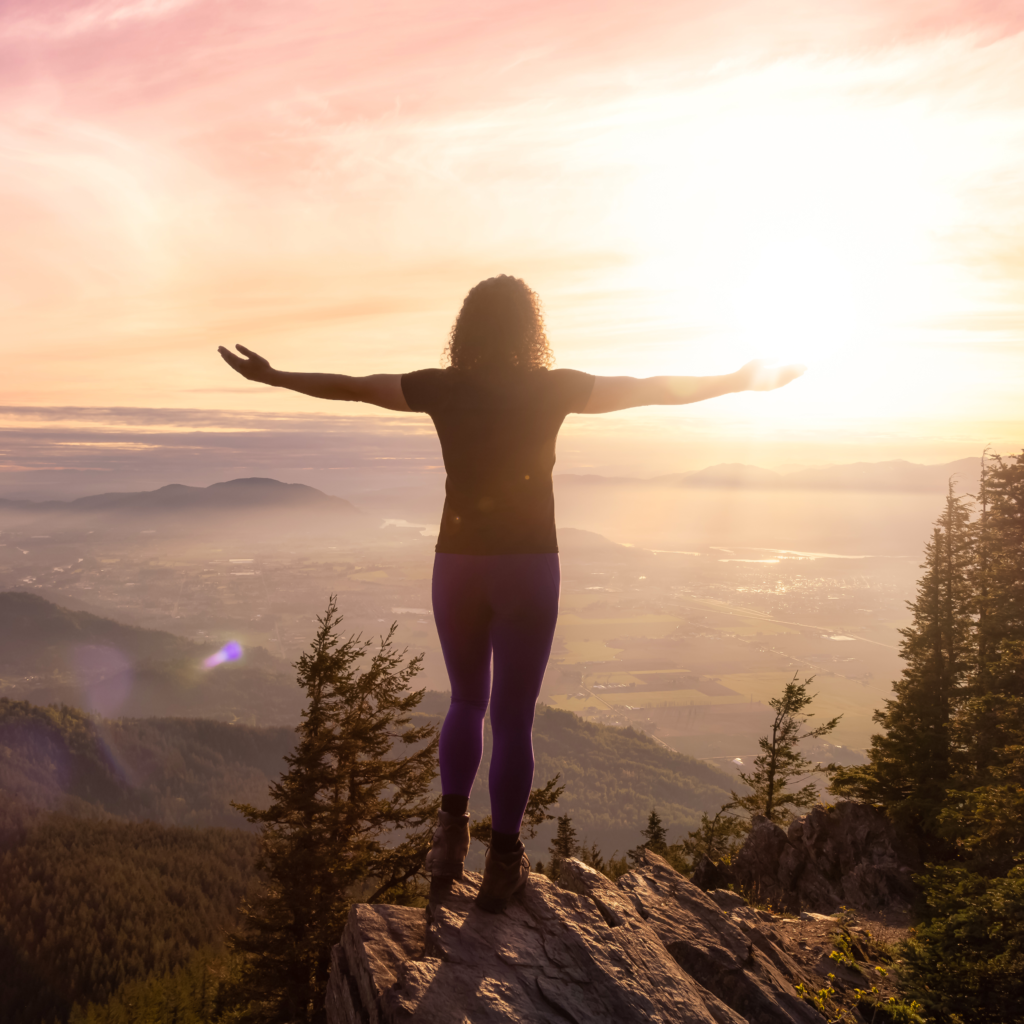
point(421, 389)
point(573, 388)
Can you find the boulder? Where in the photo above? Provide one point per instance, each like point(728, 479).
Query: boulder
point(708, 875)
point(846, 855)
point(651, 948)
point(727, 900)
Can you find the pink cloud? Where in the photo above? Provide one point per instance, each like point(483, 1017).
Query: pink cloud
point(314, 174)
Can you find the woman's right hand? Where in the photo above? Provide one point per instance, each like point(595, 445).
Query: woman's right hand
point(756, 376)
point(253, 367)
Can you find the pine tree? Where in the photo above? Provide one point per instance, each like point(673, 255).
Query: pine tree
point(655, 835)
point(592, 856)
point(951, 762)
point(656, 840)
point(1000, 586)
point(348, 821)
point(780, 763)
point(985, 812)
point(715, 838)
point(911, 763)
point(563, 846)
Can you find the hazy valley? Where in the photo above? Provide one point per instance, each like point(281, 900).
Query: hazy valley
point(686, 601)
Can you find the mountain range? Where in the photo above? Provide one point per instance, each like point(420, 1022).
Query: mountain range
point(238, 505)
point(261, 495)
point(229, 496)
point(896, 476)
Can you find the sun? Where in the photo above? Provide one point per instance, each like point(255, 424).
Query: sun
point(794, 224)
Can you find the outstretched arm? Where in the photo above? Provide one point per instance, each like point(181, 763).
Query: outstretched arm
point(383, 389)
point(613, 393)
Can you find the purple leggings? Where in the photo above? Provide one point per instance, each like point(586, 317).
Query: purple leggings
point(506, 605)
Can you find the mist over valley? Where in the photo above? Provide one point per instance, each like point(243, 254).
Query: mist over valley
point(687, 600)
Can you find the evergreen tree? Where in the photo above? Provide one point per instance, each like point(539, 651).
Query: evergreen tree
point(965, 961)
point(348, 821)
point(592, 856)
point(780, 763)
point(986, 821)
point(911, 763)
point(655, 835)
point(563, 846)
point(951, 763)
point(984, 815)
point(985, 727)
point(656, 840)
point(715, 838)
point(1001, 577)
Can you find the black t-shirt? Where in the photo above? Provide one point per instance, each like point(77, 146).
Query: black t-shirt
point(497, 435)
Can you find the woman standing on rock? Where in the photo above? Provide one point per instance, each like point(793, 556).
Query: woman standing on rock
point(497, 408)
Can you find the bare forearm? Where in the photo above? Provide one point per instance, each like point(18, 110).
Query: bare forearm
point(383, 389)
point(613, 393)
point(333, 386)
point(683, 390)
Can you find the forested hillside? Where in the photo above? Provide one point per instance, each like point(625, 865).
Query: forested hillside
point(613, 777)
point(52, 654)
point(103, 895)
point(86, 906)
point(173, 771)
point(184, 771)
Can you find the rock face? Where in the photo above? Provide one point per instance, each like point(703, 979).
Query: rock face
point(708, 875)
point(846, 855)
point(652, 948)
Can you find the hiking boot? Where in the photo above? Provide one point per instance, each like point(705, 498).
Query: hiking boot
point(451, 844)
point(504, 875)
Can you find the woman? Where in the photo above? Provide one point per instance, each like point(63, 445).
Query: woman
point(497, 409)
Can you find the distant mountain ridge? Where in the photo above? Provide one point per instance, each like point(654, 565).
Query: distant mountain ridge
point(251, 506)
point(894, 476)
point(229, 496)
point(264, 493)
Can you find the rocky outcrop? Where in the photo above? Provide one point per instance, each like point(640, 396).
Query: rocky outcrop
point(846, 855)
point(708, 875)
point(651, 948)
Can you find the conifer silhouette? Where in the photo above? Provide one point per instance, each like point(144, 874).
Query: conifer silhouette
point(655, 835)
point(780, 763)
point(911, 762)
point(563, 846)
point(348, 822)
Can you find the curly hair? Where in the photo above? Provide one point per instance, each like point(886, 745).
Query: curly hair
point(499, 327)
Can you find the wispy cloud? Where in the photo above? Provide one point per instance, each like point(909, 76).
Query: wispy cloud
point(55, 20)
point(686, 184)
point(70, 452)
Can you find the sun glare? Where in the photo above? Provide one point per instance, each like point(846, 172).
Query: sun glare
point(797, 216)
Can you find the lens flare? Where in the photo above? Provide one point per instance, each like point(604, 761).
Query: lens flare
point(105, 676)
point(231, 651)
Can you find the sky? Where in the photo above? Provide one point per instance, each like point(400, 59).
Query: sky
point(686, 184)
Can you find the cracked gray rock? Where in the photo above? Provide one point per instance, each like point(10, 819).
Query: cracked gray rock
point(652, 948)
point(846, 855)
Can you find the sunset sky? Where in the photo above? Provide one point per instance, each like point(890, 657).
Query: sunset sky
point(687, 184)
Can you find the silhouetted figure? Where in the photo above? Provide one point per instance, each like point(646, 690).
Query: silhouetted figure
point(497, 409)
